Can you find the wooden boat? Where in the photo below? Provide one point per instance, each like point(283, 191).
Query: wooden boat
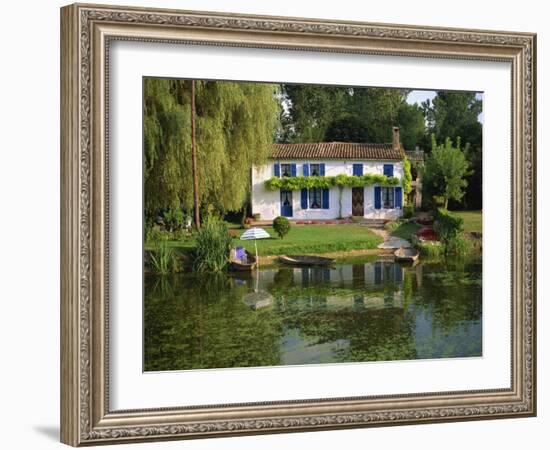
point(246, 263)
point(306, 260)
point(406, 254)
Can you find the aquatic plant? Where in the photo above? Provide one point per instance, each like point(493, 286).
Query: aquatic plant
point(164, 260)
point(213, 246)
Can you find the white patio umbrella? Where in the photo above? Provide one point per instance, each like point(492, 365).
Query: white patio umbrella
point(256, 299)
point(255, 233)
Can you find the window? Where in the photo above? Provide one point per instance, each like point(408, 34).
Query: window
point(286, 170)
point(315, 170)
point(315, 198)
point(387, 197)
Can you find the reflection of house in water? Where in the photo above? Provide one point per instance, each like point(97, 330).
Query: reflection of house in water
point(371, 285)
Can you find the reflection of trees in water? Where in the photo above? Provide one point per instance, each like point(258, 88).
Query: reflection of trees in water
point(450, 298)
point(373, 334)
point(202, 322)
point(205, 324)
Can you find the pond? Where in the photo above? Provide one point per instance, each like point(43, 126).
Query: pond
point(352, 312)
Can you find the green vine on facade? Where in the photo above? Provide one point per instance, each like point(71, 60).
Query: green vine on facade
point(342, 180)
point(407, 176)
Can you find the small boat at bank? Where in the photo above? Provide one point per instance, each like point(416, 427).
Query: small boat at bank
point(406, 254)
point(306, 260)
point(241, 260)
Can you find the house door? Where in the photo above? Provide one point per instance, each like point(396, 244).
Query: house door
point(286, 203)
point(358, 201)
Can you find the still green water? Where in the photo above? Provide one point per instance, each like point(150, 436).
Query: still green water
point(365, 311)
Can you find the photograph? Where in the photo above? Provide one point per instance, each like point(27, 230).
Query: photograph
point(287, 221)
point(294, 224)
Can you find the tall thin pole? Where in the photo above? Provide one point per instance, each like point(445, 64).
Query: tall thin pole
point(194, 157)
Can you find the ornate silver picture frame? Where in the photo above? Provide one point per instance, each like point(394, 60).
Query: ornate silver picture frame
point(87, 32)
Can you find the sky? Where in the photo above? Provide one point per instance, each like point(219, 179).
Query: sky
point(419, 96)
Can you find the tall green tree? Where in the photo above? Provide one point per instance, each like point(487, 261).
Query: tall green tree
point(347, 128)
point(445, 171)
point(412, 126)
point(349, 114)
point(236, 123)
point(454, 114)
point(310, 109)
point(378, 109)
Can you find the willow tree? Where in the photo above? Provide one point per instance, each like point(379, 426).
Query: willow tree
point(235, 128)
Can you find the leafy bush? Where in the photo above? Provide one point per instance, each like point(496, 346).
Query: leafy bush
point(449, 228)
point(174, 219)
point(213, 246)
point(447, 225)
point(458, 246)
point(432, 249)
point(156, 235)
point(281, 225)
point(393, 225)
point(408, 211)
point(164, 260)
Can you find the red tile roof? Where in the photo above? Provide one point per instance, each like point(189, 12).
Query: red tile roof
point(336, 150)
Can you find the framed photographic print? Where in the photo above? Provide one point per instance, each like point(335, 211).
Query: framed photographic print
point(275, 224)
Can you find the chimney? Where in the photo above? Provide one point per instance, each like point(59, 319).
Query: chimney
point(395, 139)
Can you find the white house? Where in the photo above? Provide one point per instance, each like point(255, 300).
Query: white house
point(331, 159)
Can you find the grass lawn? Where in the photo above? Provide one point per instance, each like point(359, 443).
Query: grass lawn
point(302, 239)
point(472, 220)
point(405, 230)
point(316, 239)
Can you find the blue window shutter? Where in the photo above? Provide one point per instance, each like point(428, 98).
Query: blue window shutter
point(358, 170)
point(305, 169)
point(293, 170)
point(277, 170)
point(377, 197)
point(398, 197)
point(325, 198)
point(388, 170)
point(304, 198)
point(322, 169)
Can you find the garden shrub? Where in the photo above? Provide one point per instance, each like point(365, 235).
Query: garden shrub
point(281, 225)
point(408, 211)
point(447, 225)
point(449, 228)
point(393, 225)
point(174, 219)
point(156, 235)
point(213, 246)
point(458, 246)
point(432, 249)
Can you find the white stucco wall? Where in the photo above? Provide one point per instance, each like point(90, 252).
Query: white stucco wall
point(267, 203)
